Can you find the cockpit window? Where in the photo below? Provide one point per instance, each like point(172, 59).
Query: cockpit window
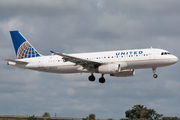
point(165, 53)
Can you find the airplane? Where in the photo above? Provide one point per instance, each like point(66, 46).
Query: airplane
point(119, 63)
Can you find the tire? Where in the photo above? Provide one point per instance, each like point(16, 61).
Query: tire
point(91, 78)
point(102, 80)
point(155, 75)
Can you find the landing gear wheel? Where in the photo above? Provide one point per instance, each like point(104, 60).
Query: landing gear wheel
point(91, 78)
point(102, 79)
point(154, 71)
point(155, 75)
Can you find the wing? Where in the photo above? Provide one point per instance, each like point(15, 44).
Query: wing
point(87, 64)
point(16, 61)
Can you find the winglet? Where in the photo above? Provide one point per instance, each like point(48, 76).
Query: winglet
point(52, 51)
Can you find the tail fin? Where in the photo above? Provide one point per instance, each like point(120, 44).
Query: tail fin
point(22, 47)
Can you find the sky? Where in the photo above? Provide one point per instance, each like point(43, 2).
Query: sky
point(77, 26)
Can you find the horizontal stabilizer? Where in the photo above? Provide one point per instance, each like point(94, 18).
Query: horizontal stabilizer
point(16, 61)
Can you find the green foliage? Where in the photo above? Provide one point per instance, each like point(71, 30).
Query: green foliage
point(110, 119)
point(19, 119)
point(46, 114)
point(124, 119)
point(85, 118)
point(141, 112)
point(32, 118)
point(46, 119)
point(92, 117)
point(170, 118)
point(163, 118)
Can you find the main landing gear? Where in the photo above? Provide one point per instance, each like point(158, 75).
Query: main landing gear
point(92, 78)
point(154, 71)
point(101, 79)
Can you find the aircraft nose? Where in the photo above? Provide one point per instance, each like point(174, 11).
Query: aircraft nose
point(175, 60)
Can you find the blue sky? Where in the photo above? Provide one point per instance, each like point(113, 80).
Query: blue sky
point(76, 26)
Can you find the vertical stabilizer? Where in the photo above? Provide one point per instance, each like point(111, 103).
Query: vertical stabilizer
point(22, 47)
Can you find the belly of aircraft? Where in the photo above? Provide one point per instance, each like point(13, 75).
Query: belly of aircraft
point(147, 63)
point(61, 69)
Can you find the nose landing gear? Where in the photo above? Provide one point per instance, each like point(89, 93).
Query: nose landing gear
point(154, 71)
point(155, 75)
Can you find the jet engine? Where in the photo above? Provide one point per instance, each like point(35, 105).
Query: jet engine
point(124, 73)
point(109, 69)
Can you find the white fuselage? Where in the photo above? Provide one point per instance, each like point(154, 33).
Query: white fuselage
point(129, 59)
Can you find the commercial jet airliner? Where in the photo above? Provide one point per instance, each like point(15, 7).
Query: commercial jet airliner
point(119, 63)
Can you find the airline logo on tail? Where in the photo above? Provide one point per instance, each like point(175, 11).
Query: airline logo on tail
point(22, 47)
point(26, 51)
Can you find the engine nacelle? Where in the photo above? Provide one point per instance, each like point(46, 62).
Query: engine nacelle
point(124, 73)
point(109, 69)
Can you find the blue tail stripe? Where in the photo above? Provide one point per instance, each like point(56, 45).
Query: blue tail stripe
point(17, 39)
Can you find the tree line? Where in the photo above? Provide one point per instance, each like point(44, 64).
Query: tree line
point(138, 112)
